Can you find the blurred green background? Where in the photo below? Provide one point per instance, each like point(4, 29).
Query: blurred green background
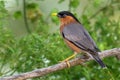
point(30, 38)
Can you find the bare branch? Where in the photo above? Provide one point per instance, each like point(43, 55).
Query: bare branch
point(59, 66)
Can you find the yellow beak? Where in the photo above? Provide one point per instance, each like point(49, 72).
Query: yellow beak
point(54, 14)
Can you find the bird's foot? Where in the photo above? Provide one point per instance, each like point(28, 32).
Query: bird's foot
point(70, 57)
point(67, 62)
point(67, 59)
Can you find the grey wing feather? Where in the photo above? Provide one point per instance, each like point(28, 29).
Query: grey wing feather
point(79, 36)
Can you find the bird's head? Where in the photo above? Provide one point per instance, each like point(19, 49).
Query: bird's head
point(65, 16)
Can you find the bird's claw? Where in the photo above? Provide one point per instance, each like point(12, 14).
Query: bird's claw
point(67, 62)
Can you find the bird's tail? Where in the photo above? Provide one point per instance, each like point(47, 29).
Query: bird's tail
point(99, 61)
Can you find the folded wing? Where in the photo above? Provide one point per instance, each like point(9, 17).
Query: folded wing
point(76, 34)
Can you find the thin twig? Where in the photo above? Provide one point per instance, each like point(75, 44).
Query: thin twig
point(108, 4)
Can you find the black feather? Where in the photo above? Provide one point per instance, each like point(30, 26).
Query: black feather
point(99, 61)
point(62, 14)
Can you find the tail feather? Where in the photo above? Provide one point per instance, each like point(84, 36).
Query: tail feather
point(99, 61)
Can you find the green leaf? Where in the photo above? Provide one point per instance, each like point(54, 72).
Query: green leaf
point(17, 14)
point(74, 3)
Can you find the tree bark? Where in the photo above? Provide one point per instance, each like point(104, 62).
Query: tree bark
point(60, 66)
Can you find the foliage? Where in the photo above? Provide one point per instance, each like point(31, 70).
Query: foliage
point(41, 48)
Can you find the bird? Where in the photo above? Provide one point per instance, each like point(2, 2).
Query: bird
point(77, 37)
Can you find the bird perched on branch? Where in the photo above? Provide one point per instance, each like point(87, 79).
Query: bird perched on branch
point(76, 37)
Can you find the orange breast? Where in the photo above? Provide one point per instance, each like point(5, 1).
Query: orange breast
point(65, 21)
point(72, 46)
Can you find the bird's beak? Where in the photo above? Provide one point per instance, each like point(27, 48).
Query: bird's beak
point(54, 14)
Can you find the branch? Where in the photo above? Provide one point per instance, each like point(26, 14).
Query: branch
point(60, 66)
